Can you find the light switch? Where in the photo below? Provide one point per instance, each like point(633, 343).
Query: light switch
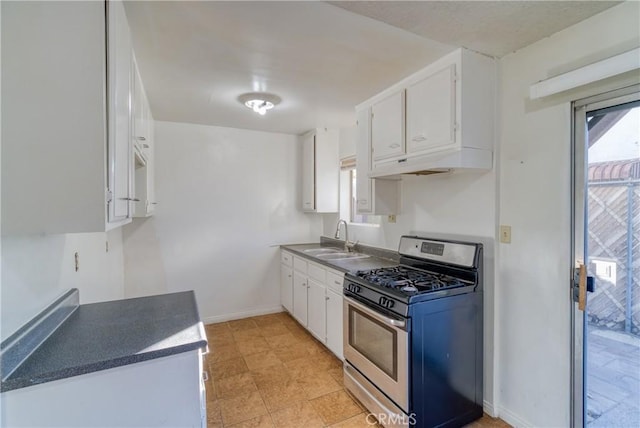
point(505, 234)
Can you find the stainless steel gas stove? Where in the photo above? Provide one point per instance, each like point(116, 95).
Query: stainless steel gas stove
point(413, 335)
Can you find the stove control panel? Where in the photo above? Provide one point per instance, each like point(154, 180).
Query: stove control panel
point(354, 288)
point(387, 303)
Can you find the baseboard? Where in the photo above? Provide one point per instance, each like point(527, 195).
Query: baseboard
point(240, 315)
point(488, 409)
point(512, 419)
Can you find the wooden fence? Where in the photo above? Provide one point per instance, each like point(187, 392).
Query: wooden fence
point(614, 246)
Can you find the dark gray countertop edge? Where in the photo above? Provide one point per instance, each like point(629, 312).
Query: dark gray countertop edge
point(24, 342)
point(99, 366)
point(41, 327)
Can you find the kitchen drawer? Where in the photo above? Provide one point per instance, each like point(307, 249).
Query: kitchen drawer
point(300, 264)
point(335, 280)
point(316, 272)
point(286, 258)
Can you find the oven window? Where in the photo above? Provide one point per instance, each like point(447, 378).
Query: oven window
point(375, 341)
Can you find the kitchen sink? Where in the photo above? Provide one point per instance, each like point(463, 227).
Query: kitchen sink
point(320, 251)
point(341, 256)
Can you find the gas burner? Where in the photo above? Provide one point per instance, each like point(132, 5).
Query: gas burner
point(409, 288)
point(408, 280)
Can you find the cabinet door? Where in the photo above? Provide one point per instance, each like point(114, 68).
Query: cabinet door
point(387, 127)
point(431, 111)
point(308, 172)
point(363, 162)
point(334, 323)
point(286, 287)
point(300, 297)
point(317, 309)
point(119, 144)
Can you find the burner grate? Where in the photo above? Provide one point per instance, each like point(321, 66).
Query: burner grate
point(409, 280)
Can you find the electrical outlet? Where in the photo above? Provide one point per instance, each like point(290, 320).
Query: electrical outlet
point(392, 218)
point(505, 234)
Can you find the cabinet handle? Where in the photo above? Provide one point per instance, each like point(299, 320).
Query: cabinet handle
point(205, 376)
point(141, 139)
point(394, 145)
point(326, 298)
point(289, 276)
point(130, 199)
point(337, 283)
point(420, 137)
point(402, 160)
point(146, 146)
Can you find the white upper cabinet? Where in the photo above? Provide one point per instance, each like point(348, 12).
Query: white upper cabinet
point(120, 144)
point(431, 112)
point(447, 123)
point(320, 171)
point(65, 166)
point(308, 172)
point(380, 197)
point(387, 126)
point(144, 149)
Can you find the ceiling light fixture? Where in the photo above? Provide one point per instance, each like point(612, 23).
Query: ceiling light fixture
point(259, 102)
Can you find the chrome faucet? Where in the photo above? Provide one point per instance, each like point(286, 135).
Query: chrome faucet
point(348, 246)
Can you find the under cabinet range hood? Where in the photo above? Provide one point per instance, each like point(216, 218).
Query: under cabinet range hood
point(467, 159)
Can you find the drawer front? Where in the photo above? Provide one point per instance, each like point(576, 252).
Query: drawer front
point(286, 258)
point(300, 264)
point(316, 272)
point(335, 280)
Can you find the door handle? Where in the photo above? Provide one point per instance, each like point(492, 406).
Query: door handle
point(582, 283)
point(582, 287)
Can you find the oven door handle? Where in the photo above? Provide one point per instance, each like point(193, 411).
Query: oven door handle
point(389, 321)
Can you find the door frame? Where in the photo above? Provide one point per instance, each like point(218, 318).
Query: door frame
point(579, 168)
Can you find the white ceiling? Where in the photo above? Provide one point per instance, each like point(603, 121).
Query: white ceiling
point(196, 58)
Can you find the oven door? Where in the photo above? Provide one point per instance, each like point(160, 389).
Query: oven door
point(377, 345)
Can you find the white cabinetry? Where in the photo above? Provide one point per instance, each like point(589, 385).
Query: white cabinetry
point(120, 148)
point(300, 285)
point(317, 298)
point(387, 126)
point(65, 167)
point(320, 171)
point(286, 280)
point(446, 124)
point(163, 392)
point(144, 150)
point(334, 312)
point(316, 304)
point(379, 197)
point(431, 111)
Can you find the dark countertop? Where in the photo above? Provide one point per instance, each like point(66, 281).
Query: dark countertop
point(377, 257)
point(104, 335)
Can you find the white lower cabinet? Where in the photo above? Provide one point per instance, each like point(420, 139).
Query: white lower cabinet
point(315, 293)
point(286, 280)
point(162, 392)
point(300, 297)
point(316, 310)
point(334, 322)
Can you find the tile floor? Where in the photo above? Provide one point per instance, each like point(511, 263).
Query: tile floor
point(268, 371)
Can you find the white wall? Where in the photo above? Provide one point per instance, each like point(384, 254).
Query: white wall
point(533, 325)
point(38, 269)
point(226, 198)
